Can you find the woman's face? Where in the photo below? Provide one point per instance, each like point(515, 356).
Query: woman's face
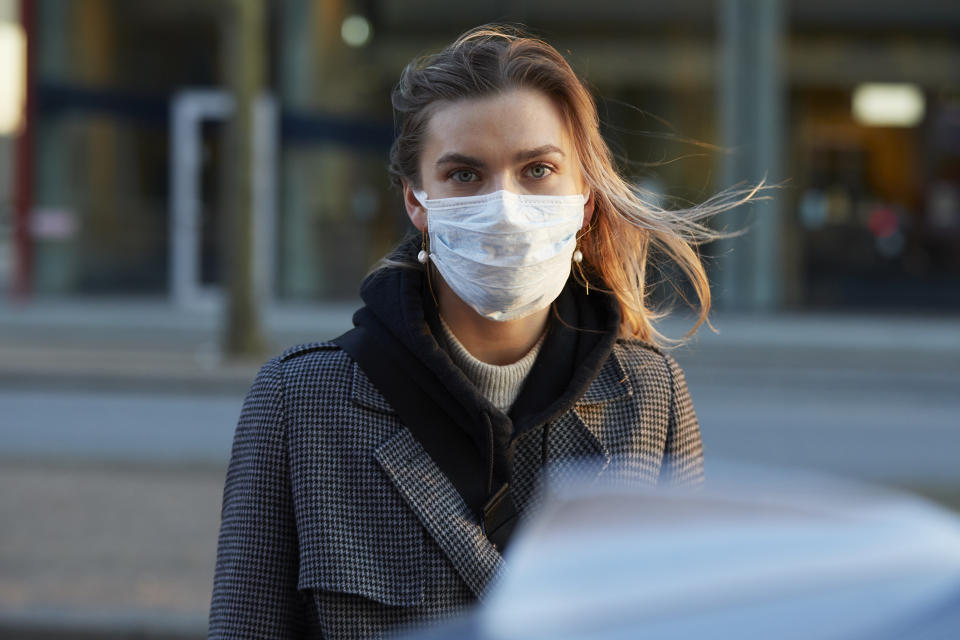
point(516, 141)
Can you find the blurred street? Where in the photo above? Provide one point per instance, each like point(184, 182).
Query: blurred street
point(115, 435)
point(188, 188)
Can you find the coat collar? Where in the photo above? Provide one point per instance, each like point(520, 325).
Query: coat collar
point(611, 383)
point(366, 394)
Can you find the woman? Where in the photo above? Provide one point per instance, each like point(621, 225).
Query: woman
point(375, 479)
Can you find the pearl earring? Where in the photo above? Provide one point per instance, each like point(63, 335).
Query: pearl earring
point(423, 256)
point(577, 261)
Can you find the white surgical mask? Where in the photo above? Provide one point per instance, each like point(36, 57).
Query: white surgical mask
point(506, 255)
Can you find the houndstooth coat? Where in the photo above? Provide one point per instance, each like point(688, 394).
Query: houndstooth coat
point(337, 524)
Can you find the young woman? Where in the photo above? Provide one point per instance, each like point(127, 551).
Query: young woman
point(375, 479)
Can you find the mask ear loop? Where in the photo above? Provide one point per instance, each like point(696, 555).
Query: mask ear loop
point(424, 258)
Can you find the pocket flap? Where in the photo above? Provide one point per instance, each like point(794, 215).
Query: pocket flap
point(371, 550)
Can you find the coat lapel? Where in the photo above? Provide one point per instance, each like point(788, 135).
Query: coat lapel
point(578, 441)
point(621, 414)
point(431, 496)
point(440, 509)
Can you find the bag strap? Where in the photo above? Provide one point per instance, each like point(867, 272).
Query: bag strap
point(447, 444)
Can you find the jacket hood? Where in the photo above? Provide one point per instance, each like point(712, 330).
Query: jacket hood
point(399, 307)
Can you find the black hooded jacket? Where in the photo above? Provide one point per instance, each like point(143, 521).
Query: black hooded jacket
point(471, 440)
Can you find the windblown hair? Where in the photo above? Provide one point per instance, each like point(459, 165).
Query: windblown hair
point(626, 226)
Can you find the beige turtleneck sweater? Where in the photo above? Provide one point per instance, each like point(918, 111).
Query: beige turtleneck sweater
point(500, 384)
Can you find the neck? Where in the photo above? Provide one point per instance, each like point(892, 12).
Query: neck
point(489, 341)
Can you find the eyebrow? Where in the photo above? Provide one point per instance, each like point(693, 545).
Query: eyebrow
point(459, 158)
point(539, 151)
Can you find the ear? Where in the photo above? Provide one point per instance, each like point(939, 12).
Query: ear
point(587, 211)
point(415, 210)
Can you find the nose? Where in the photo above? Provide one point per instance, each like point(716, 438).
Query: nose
point(503, 181)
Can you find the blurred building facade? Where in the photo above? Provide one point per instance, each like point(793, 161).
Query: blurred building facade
point(868, 217)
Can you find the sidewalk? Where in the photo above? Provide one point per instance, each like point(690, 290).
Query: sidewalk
point(145, 343)
point(107, 552)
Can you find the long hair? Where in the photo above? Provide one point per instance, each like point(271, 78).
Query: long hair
point(626, 226)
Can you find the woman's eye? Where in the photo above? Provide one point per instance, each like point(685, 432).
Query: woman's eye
point(463, 175)
point(538, 171)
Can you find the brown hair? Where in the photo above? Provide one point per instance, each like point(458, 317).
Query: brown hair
point(626, 225)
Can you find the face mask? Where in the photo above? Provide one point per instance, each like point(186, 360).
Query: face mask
point(506, 255)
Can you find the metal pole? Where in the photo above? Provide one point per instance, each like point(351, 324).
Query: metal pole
point(244, 60)
point(751, 122)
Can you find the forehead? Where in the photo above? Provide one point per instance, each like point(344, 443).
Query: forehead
point(498, 124)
